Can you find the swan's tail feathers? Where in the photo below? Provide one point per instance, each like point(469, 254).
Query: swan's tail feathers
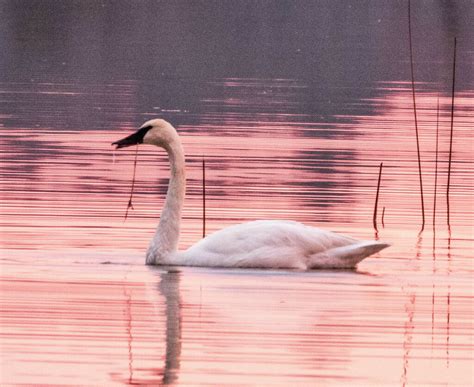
point(346, 257)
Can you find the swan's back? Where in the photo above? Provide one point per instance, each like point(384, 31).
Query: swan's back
point(277, 244)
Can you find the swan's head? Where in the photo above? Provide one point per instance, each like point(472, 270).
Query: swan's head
point(155, 132)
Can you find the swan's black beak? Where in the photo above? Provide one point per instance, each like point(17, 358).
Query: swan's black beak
point(133, 139)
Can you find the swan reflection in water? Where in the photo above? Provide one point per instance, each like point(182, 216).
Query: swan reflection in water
point(269, 244)
point(169, 288)
point(165, 314)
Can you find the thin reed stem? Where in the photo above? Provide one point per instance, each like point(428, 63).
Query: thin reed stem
point(436, 166)
point(130, 204)
point(416, 120)
point(451, 135)
point(374, 219)
point(203, 198)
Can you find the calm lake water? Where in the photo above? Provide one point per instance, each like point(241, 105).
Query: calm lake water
point(293, 105)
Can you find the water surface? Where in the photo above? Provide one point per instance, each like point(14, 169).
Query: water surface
point(295, 137)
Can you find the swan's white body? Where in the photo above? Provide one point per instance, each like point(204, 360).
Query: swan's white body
point(258, 244)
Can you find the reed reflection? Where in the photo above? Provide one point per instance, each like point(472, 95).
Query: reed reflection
point(448, 300)
point(129, 318)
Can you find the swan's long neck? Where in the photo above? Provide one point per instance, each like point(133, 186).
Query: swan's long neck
point(165, 242)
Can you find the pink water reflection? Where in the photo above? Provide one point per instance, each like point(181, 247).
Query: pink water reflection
point(408, 311)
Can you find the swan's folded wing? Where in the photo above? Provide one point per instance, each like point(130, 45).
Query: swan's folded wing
point(345, 257)
point(263, 244)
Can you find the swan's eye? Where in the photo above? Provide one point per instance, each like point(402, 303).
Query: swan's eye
point(146, 128)
point(142, 131)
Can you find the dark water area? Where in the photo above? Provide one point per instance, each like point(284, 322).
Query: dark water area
point(327, 42)
point(169, 51)
point(293, 105)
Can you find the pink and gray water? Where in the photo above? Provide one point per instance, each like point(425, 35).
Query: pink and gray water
point(293, 110)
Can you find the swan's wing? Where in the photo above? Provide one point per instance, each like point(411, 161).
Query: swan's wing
point(264, 244)
point(274, 234)
point(345, 257)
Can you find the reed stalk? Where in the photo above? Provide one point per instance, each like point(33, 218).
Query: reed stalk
point(416, 119)
point(203, 198)
point(436, 166)
point(374, 219)
point(130, 199)
point(451, 135)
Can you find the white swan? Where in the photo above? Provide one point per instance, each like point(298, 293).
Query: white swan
point(258, 244)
